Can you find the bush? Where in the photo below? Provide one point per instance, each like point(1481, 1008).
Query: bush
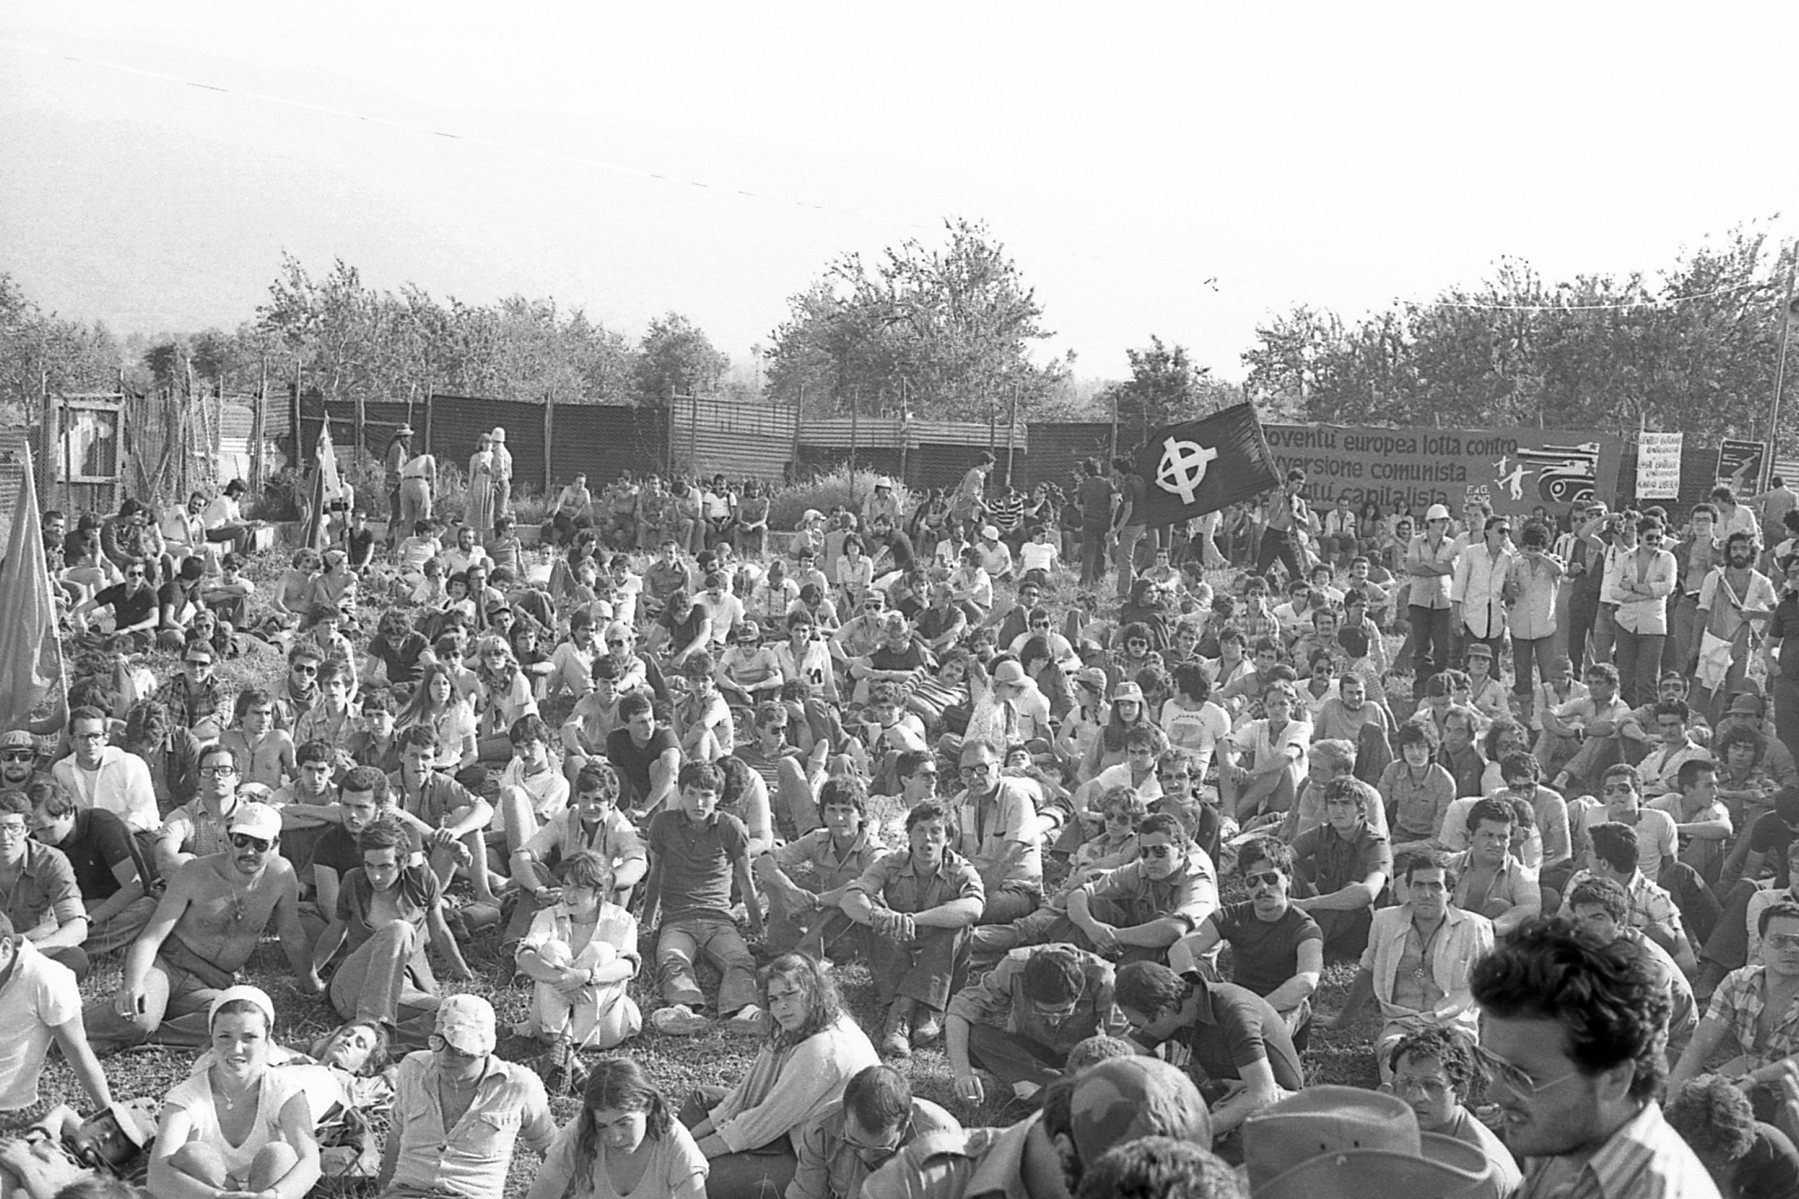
point(825, 492)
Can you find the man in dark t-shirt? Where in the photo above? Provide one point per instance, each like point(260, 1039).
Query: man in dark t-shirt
point(1238, 1041)
point(1095, 501)
point(113, 876)
point(1277, 951)
point(133, 603)
point(645, 754)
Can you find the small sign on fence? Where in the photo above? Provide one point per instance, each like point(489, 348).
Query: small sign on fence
point(1741, 465)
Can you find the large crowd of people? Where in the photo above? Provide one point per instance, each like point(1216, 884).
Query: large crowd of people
point(1528, 780)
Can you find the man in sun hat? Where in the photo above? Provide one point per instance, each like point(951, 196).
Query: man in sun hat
point(210, 920)
point(458, 1084)
point(1334, 1142)
point(502, 470)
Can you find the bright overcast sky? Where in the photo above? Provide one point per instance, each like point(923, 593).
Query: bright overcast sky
point(1125, 155)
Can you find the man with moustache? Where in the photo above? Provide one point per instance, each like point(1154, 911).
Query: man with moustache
point(208, 924)
point(1735, 601)
point(1571, 1042)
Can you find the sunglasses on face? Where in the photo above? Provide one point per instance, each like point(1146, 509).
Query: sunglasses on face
point(979, 768)
point(246, 841)
point(17, 755)
point(1260, 878)
point(305, 668)
point(1157, 851)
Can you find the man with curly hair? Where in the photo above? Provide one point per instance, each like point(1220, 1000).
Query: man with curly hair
point(1572, 1037)
point(1746, 1158)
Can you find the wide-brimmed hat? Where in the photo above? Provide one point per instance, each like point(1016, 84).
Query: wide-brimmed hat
point(1333, 1142)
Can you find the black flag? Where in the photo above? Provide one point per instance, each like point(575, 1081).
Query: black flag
point(1200, 466)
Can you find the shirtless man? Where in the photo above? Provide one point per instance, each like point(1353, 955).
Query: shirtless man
point(204, 930)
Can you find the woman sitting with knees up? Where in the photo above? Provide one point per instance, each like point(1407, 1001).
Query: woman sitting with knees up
point(813, 1048)
point(581, 954)
point(240, 1125)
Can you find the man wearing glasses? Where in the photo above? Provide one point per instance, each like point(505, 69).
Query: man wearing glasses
point(302, 690)
point(1476, 590)
point(193, 697)
point(1644, 581)
point(999, 834)
point(210, 919)
point(1748, 1014)
point(202, 825)
point(1571, 1044)
point(849, 1139)
point(1432, 1071)
point(1133, 912)
point(99, 775)
point(18, 760)
point(38, 892)
point(459, 1111)
point(132, 603)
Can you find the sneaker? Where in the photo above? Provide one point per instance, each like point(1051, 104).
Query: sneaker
point(927, 1031)
point(679, 1020)
point(746, 1023)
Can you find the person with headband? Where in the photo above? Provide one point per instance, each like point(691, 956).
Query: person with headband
point(239, 1125)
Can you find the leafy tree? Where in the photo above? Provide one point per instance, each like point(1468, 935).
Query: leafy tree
point(1165, 386)
point(946, 330)
point(677, 358)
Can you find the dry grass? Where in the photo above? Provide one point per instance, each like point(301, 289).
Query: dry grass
point(677, 1065)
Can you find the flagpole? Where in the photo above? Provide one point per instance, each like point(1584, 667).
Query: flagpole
point(1780, 364)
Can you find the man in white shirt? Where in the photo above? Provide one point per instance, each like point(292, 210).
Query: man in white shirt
point(99, 775)
point(1476, 598)
point(224, 520)
point(1644, 581)
point(502, 471)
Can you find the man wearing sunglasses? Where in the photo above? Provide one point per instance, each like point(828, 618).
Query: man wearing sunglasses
point(132, 604)
point(1571, 1039)
point(209, 922)
point(459, 1111)
point(18, 759)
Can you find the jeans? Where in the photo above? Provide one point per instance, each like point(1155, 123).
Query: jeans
point(681, 943)
point(1639, 660)
point(1128, 537)
point(1093, 553)
point(1525, 652)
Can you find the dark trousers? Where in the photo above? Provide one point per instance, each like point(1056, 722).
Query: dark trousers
point(1277, 543)
point(760, 1173)
point(1012, 1057)
point(1583, 609)
point(1430, 641)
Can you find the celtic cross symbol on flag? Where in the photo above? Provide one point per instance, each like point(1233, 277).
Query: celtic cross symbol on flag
point(1183, 467)
point(1199, 466)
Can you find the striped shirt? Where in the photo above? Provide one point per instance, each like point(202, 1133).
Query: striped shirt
point(1645, 1159)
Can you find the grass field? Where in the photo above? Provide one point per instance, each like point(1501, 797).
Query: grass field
point(676, 1064)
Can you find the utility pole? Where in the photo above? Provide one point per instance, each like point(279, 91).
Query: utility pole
point(1787, 316)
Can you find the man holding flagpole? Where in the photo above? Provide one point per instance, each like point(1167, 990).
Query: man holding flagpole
point(1206, 465)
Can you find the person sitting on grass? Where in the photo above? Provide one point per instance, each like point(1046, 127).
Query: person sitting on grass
point(111, 871)
point(876, 1119)
point(1278, 745)
point(592, 822)
point(1239, 1043)
point(1020, 1021)
point(625, 1142)
point(38, 891)
point(811, 1049)
point(40, 1003)
point(450, 816)
point(1277, 951)
point(1612, 853)
point(917, 905)
point(1343, 867)
point(581, 955)
point(696, 852)
point(1433, 1071)
point(1600, 908)
point(702, 719)
point(210, 919)
point(1747, 1157)
point(264, 752)
point(1417, 961)
point(241, 1126)
point(806, 880)
point(1134, 911)
point(385, 909)
point(532, 792)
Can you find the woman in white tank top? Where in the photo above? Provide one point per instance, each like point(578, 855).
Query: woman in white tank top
point(239, 1125)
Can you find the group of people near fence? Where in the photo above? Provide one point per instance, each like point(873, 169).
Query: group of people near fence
point(1513, 779)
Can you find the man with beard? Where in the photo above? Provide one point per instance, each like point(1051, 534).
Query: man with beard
point(1696, 557)
point(1733, 603)
point(210, 919)
point(18, 760)
point(1571, 1042)
point(1783, 667)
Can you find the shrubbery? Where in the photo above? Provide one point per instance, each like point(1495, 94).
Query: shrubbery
point(825, 492)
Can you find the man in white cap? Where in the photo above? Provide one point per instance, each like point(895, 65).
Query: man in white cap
point(502, 471)
point(210, 919)
point(1430, 563)
point(996, 559)
point(459, 1111)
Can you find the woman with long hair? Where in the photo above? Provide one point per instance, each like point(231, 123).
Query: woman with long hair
point(238, 1125)
point(625, 1142)
point(813, 1048)
point(479, 513)
point(1127, 710)
point(503, 695)
point(436, 702)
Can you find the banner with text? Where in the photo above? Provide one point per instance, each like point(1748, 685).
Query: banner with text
point(1514, 470)
point(1658, 465)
